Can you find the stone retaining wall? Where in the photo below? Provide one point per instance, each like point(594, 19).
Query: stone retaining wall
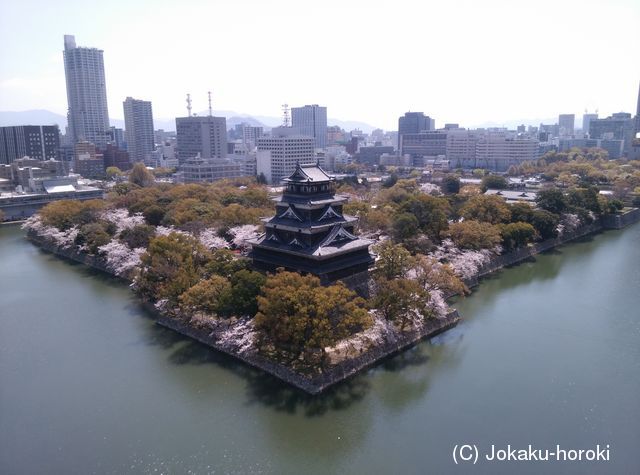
point(621, 220)
point(522, 254)
point(316, 383)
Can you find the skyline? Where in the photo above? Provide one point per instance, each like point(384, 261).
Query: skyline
point(254, 59)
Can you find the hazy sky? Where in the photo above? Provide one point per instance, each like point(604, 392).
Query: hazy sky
point(458, 61)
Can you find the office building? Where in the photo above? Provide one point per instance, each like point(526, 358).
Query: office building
point(566, 124)
point(278, 154)
point(201, 136)
point(371, 155)
point(461, 148)
point(40, 142)
point(497, 151)
point(311, 120)
point(619, 126)
point(88, 116)
point(414, 123)
point(418, 145)
point(638, 113)
point(586, 121)
point(116, 137)
point(250, 136)
point(199, 170)
point(138, 125)
point(115, 157)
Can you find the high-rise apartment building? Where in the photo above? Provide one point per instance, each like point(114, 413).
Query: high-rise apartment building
point(311, 120)
point(586, 121)
point(619, 126)
point(40, 142)
point(88, 115)
point(638, 113)
point(278, 154)
point(414, 123)
point(566, 124)
point(205, 136)
point(138, 125)
point(250, 135)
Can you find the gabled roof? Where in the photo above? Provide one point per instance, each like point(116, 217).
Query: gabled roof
point(308, 174)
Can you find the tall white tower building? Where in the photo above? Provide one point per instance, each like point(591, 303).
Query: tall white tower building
point(88, 115)
point(138, 124)
point(311, 121)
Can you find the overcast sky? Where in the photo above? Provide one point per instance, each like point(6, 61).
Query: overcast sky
point(459, 61)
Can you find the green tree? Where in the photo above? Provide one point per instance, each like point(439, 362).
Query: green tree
point(552, 199)
point(297, 316)
point(494, 182)
point(451, 184)
point(586, 198)
point(154, 214)
point(430, 211)
point(400, 300)
point(141, 176)
point(206, 296)
point(433, 275)
point(137, 236)
point(393, 260)
point(488, 208)
point(113, 172)
point(261, 178)
point(545, 223)
point(521, 211)
point(223, 262)
point(245, 288)
point(93, 235)
point(171, 265)
point(516, 235)
point(405, 226)
point(472, 234)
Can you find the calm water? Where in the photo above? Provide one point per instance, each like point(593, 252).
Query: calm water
point(549, 353)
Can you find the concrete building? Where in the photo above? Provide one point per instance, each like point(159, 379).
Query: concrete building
point(138, 125)
point(311, 120)
point(566, 124)
point(203, 136)
point(117, 138)
point(371, 155)
point(41, 142)
point(461, 148)
point(278, 154)
point(619, 126)
point(250, 136)
point(498, 151)
point(425, 143)
point(25, 172)
point(638, 113)
point(199, 170)
point(114, 157)
point(88, 115)
point(414, 123)
point(586, 121)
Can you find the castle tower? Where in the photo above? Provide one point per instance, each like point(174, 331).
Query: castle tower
point(309, 233)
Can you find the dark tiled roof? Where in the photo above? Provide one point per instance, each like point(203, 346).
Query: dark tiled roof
point(308, 174)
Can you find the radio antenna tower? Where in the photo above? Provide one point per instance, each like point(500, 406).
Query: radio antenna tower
point(210, 110)
point(285, 115)
point(189, 104)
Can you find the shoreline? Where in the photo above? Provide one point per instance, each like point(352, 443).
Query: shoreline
point(336, 373)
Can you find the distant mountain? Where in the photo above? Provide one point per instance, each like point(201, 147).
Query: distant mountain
point(45, 117)
point(512, 124)
point(32, 117)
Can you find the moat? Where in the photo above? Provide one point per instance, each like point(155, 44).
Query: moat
point(548, 353)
